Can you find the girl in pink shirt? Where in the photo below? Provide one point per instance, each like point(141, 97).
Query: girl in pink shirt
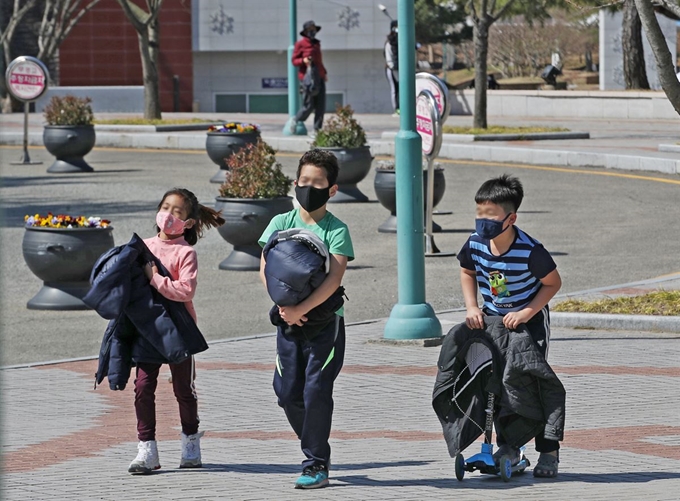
point(180, 222)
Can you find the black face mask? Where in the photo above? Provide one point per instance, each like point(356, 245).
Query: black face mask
point(312, 198)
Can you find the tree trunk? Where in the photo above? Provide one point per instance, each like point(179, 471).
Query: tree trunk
point(148, 48)
point(481, 41)
point(664, 60)
point(634, 72)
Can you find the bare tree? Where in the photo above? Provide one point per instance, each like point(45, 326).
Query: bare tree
point(634, 72)
point(6, 35)
point(59, 18)
point(664, 60)
point(147, 27)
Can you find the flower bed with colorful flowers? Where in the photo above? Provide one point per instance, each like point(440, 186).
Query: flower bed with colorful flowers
point(235, 128)
point(64, 221)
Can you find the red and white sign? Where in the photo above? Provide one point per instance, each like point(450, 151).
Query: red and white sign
point(26, 79)
point(424, 123)
point(426, 81)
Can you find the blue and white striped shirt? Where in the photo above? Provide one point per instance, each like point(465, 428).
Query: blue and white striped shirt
point(510, 281)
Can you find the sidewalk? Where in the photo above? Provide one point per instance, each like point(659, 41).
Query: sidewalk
point(64, 440)
point(627, 144)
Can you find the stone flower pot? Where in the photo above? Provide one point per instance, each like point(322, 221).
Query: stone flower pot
point(385, 185)
point(69, 143)
point(246, 219)
point(355, 164)
point(63, 259)
point(221, 145)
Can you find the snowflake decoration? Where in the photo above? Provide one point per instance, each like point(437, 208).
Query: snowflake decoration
point(221, 22)
point(348, 18)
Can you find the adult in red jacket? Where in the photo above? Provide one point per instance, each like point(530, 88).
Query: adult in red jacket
point(307, 51)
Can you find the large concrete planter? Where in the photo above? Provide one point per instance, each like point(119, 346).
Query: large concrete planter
point(221, 145)
point(63, 259)
point(385, 185)
point(246, 219)
point(69, 143)
point(355, 164)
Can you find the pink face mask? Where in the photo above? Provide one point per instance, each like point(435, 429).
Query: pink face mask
point(169, 224)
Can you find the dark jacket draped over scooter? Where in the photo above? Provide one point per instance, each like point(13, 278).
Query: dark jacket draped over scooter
point(473, 362)
point(297, 262)
point(145, 326)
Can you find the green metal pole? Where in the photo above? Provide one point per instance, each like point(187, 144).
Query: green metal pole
point(411, 317)
point(293, 85)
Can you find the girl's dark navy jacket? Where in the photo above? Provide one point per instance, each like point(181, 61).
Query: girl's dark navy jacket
point(145, 326)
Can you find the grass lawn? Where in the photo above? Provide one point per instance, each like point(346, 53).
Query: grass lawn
point(500, 129)
point(666, 303)
point(154, 121)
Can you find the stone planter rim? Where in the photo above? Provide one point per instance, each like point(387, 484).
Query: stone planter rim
point(337, 148)
point(231, 199)
point(216, 133)
point(47, 126)
point(47, 228)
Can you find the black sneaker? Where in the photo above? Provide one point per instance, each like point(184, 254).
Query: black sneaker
point(313, 477)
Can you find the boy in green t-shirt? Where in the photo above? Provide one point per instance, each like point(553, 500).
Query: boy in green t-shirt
point(307, 368)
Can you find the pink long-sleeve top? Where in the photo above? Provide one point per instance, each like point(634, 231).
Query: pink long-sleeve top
point(180, 260)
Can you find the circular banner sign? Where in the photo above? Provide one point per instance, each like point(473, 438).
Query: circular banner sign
point(26, 78)
point(428, 124)
point(426, 81)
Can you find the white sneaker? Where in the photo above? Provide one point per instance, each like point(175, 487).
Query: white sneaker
point(191, 450)
point(146, 460)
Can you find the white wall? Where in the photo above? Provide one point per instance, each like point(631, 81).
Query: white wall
point(358, 74)
point(257, 25)
point(611, 52)
point(236, 43)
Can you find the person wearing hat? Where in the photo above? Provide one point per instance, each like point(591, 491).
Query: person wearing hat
point(307, 51)
point(392, 65)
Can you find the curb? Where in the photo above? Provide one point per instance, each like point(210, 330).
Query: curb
point(529, 136)
point(646, 323)
point(451, 151)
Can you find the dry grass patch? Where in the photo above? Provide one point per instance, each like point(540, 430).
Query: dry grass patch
point(500, 129)
point(664, 303)
point(154, 121)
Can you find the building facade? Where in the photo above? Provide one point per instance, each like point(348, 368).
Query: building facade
point(240, 53)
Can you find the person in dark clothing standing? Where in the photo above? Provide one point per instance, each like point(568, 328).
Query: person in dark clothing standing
point(307, 51)
point(392, 65)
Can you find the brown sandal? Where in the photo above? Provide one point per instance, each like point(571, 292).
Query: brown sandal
point(546, 466)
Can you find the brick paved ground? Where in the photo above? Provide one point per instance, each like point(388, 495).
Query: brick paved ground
point(64, 440)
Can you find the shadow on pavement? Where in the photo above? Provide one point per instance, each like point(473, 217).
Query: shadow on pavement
point(257, 468)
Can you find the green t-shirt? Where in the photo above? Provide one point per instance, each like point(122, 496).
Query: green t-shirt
point(333, 232)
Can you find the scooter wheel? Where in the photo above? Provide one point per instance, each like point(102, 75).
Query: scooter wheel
point(506, 468)
point(460, 467)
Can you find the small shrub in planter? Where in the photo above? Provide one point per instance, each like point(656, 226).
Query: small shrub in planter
point(255, 190)
point(69, 134)
point(346, 139)
point(69, 110)
point(255, 173)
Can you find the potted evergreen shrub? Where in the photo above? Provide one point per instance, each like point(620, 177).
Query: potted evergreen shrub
point(61, 251)
point(385, 185)
point(223, 140)
point(254, 191)
point(346, 139)
point(69, 134)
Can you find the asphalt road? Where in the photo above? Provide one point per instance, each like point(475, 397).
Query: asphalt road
point(602, 227)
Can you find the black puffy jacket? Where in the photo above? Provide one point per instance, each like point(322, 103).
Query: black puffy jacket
point(145, 326)
point(297, 262)
point(472, 363)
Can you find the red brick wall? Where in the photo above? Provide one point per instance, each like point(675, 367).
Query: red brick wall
point(103, 49)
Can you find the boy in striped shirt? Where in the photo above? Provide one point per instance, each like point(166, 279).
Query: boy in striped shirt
point(517, 278)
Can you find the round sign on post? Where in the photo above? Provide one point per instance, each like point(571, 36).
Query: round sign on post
point(426, 81)
point(27, 79)
point(428, 126)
